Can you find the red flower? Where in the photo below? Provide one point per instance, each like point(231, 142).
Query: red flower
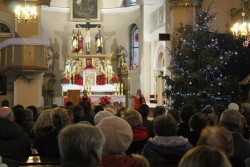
point(64, 80)
point(78, 79)
point(114, 79)
point(101, 79)
point(104, 100)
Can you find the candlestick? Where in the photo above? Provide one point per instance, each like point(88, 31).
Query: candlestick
point(122, 88)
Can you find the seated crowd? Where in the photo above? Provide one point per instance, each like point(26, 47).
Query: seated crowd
point(99, 136)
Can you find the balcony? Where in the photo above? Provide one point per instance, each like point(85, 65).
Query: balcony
point(21, 55)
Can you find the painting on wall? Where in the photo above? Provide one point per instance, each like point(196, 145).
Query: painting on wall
point(89, 77)
point(84, 10)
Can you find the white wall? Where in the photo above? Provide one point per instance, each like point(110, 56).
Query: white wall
point(56, 26)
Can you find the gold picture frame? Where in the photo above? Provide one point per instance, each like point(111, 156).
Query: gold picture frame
point(89, 77)
point(84, 10)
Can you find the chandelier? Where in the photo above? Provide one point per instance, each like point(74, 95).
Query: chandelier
point(241, 29)
point(25, 14)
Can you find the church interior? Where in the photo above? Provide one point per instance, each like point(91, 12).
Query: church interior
point(128, 41)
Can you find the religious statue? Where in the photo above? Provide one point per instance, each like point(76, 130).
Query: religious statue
point(89, 64)
point(74, 42)
point(87, 39)
point(108, 68)
point(122, 59)
point(80, 41)
point(50, 59)
point(99, 67)
point(98, 42)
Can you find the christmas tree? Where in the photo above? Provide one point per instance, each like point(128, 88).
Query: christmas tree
point(197, 62)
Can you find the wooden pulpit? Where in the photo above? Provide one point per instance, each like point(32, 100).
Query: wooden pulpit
point(74, 96)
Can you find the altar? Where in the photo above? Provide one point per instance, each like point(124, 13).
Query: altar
point(91, 71)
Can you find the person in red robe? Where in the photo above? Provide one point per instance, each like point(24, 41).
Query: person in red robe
point(85, 98)
point(89, 65)
point(139, 99)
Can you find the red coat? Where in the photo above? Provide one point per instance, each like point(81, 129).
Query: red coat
point(137, 102)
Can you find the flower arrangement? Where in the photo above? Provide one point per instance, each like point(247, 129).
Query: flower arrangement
point(78, 79)
point(104, 100)
point(114, 79)
point(64, 80)
point(101, 79)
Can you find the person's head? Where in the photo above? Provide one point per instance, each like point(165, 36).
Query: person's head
point(42, 121)
point(133, 117)
point(60, 117)
point(80, 145)
point(29, 114)
point(165, 125)
point(7, 113)
point(175, 113)
point(159, 110)
point(110, 109)
point(138, 92)
point(144, 110)
point(231, 120)
point(85, 93)
point(217, 137)
point(198, 121)
point(20, 116)
point(5, 103)
point(88, 62)
point(101, 115)
point(186, 112)
point(77, 111)
point(35, 112)
point(120, 111)
point(17, 107)
point(201, 156)
point(68, 104)
point(233, 106)
point(98, 108)
point(218, 109)
point(118, 135)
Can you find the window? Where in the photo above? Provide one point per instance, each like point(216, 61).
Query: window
point(4, 28)
point(132, 2)
point(134, 47)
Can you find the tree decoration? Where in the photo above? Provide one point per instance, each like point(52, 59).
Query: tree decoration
point(198, 62)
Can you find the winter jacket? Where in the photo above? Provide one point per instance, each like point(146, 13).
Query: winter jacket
point(162, 150)
point(140, 138)
point(14, 143)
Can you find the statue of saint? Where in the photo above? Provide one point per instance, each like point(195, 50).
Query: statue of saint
point(99, 67)
point(87, 39)
point(50, 59)
point(122, 59)
point(80, 41)
point(98, 42)
point(74, 42)
point(108, 70)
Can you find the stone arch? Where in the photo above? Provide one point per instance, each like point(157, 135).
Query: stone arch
point(9, 21)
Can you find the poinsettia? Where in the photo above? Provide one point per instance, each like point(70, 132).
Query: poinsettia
point(78, 79)
point(101, 79)
point(104, 100)
point(114, 79)
point(64, 80)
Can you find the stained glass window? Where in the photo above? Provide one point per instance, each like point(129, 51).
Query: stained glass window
point(4, 28)
point(132, 2)
point(134, 53)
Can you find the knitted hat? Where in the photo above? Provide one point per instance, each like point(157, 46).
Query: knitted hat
point(118, 134)
point(6, 113)
point(233, 106)
point(100, 115)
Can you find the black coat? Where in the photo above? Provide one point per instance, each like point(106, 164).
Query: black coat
point(14, 143)
point(241, 147)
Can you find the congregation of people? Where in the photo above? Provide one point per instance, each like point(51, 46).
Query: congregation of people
point(102, 136)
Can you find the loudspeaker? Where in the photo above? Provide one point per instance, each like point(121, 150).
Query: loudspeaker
point(3, 85)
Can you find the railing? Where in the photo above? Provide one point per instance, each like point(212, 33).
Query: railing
point(23, 53)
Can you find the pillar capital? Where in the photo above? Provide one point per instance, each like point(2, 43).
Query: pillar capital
point(185, 3)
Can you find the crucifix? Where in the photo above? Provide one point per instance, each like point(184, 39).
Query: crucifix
point(88, 26)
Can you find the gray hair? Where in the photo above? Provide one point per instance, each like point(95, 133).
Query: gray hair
point(231, 119)
point(80, 144)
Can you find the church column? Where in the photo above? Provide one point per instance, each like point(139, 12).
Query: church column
point(182, 12)
point(147, 7)
point(28, 90)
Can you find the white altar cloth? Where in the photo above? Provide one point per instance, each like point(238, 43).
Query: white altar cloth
point(97, 88)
